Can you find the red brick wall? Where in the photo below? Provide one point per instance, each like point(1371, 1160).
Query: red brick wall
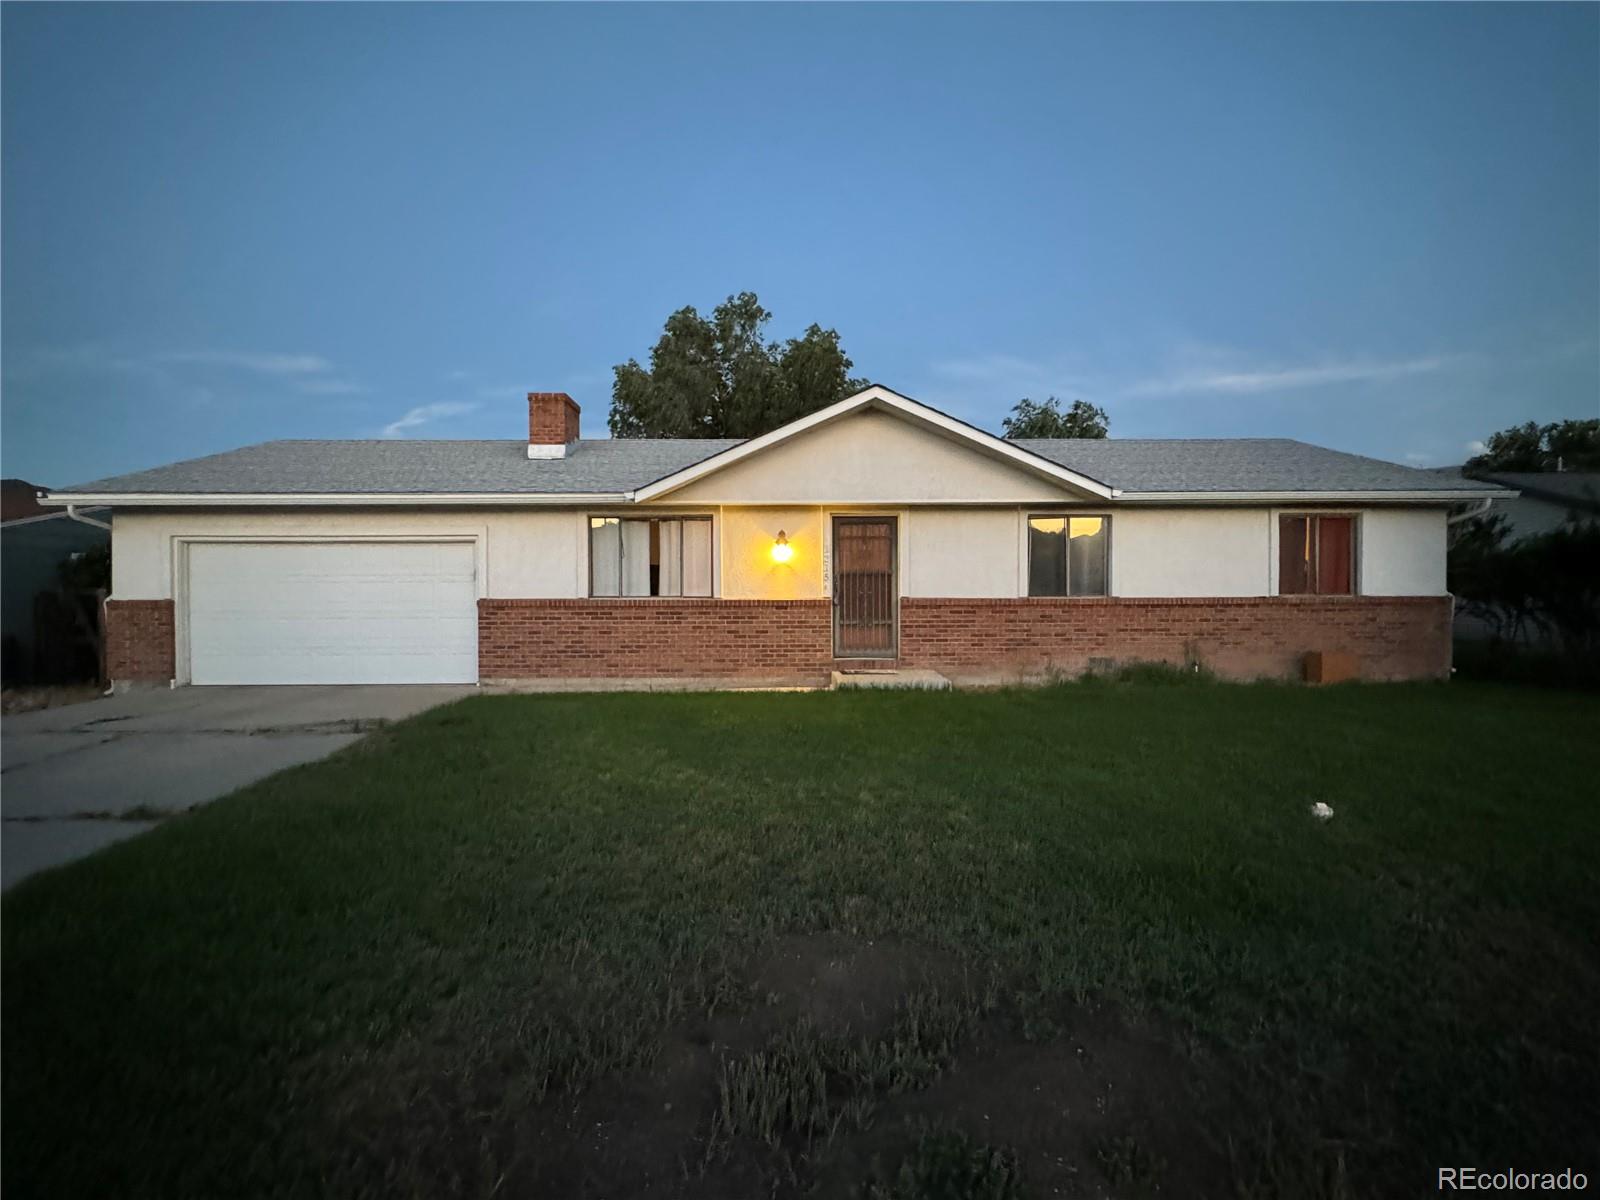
point(1391, 637)
point(139, 641)
point(543, 639)
point(552, 418)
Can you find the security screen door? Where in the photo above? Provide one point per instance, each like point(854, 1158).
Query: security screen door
point(866, 604)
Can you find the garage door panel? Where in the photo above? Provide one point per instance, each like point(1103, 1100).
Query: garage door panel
point(333, 612)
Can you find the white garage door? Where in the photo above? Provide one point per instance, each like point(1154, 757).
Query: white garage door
point(333, 612)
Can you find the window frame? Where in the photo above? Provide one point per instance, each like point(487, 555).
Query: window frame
point(1067, 515)
point(1354, 516)
point(588, 542)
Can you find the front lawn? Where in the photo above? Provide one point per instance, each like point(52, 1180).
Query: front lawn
point(1053, 942)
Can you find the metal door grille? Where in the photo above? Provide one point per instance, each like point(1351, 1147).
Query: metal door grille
point(865, 600)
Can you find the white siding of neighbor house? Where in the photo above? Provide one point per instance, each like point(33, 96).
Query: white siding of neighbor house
point(1403, 552)
point(943, 550)
point(869, 458)
point(1191, 552)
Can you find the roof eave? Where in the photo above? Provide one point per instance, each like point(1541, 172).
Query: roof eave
point(330, 499)
point(51, 516)
point(557, 499)
point(1309, 496)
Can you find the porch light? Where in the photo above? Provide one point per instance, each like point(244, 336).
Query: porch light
point(782, 552)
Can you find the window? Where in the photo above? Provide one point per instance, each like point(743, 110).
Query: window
point(1316, 556)
point(666, 557)
point(1067, 556)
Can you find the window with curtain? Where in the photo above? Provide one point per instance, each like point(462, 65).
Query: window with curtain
point(667, 556)
point(1316, 556)
point(1068, 556)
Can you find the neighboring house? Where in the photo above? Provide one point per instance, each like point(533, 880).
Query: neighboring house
point(876, 533)
point(18, 499)
point(1544, 499)
point(33, 542)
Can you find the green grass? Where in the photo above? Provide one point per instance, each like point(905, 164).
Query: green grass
point(1488, 662)
point(390, 973)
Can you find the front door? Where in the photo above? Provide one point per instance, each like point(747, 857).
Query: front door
point(866, 601)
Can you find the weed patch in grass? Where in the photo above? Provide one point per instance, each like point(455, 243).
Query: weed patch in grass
point(807, 1085)
point(951, 1166)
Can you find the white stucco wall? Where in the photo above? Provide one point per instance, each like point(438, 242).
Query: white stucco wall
point(1191, 552)
point(523, 554)
point(955, 552)
point(746, 539)
point(962, 552)
point(869, 458)
point(1402, 552)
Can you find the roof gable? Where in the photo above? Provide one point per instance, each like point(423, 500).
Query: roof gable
point(967, 440)
point(872, 457)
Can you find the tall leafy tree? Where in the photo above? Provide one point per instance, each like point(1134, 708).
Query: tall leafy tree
point(1549, 583)
point(1565, 445)
point(718, 376)
point(1575, 445)
point(1029, 419)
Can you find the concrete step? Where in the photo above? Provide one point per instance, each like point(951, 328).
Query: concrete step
point(917, 679)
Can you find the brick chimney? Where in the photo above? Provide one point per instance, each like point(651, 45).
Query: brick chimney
point(552, 424)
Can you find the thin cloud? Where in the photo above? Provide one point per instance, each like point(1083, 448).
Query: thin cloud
point(309, 374)
point(424, 414)
point(1274, 379)
point(47, 360)
point(265, 364)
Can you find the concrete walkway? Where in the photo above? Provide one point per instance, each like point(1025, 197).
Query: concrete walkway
point(76, 778)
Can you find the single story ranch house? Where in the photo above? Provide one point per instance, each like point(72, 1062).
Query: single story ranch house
point(877, 533)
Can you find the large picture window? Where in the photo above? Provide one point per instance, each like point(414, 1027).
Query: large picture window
point(1068, 556)
point(667, 556)
point(1316, 556)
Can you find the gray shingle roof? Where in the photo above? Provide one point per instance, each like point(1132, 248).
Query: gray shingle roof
point(396, 466)
point(621, 465)
point(1232, 465)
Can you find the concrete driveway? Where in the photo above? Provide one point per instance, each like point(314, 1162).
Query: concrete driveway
point(75, 778)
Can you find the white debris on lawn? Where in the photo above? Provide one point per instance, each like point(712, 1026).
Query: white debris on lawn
point(1321, 811)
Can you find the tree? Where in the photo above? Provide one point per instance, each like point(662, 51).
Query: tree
point(1574, 444)
point(1030, 420)
point(86, 570)
point(1548, 583)
point(1569, 445)
point(716, 376)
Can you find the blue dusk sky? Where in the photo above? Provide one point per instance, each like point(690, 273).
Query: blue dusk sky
point(1375, 227)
